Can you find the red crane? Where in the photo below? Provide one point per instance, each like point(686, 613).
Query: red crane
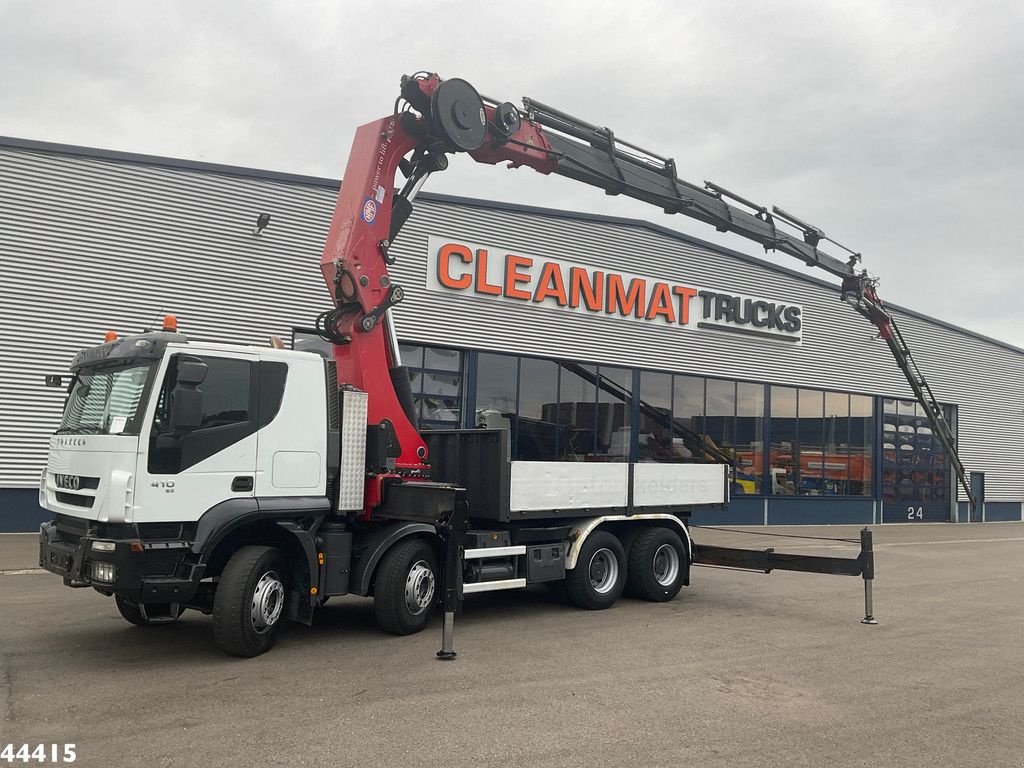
point(435, 117)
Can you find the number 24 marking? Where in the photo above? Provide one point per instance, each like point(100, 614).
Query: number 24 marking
point(915, 514)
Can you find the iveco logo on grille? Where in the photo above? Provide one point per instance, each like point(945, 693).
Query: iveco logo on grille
point(68, 482)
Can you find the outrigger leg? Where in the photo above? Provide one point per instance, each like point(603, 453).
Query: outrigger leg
point(452, 533)
point(867, 558)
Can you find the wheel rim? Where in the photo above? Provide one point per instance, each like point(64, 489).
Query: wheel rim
point(419, 587)
point(604, 571)
point(267, 602)
point(666, 565)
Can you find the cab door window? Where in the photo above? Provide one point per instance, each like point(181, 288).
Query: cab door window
point(223, 413)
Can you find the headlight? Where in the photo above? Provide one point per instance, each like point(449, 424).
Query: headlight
point(104, 572)
point(103, 546)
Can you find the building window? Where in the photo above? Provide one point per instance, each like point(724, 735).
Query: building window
point(689, 441)
point(656, 434)
point(915, 467)
point(537, 436)
point(436, 377)
point(862, 442)
point(810, 439)
point(497, 390)
point(836, 451)
point(720, 421)
point(576, 412)
point(783, 452)
point(614, 413)
point(749, 446)
point(821, 443)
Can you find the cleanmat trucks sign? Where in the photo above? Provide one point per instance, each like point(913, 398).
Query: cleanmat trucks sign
point(499, 274)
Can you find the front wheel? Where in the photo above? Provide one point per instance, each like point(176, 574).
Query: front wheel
point(600, 573)
point(406, 586)
point(248, 607)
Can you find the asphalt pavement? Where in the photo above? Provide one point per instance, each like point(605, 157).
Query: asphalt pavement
point(740, 670)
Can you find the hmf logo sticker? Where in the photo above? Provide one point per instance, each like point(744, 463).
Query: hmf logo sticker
point(369, 211)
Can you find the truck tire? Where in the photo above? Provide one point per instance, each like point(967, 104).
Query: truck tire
point(148, 615)
point(248, 606)
point(406, 587)
point(599, 577)
point(657, 565)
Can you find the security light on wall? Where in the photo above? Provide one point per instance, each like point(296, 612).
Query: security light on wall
point(261, 223)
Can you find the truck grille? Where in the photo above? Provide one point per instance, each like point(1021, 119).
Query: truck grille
point(75, 499)
point(71, 528)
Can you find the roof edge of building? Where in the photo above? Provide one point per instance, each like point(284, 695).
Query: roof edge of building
point(159, 161)
point(319, 181)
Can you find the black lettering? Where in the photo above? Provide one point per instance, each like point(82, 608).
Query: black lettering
point(775, 316)
point(725, 309)
point(706, 298)
point(758, 317)
point(793, 320)
point(744, 315)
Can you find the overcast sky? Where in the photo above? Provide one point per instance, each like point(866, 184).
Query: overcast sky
point(894, 126)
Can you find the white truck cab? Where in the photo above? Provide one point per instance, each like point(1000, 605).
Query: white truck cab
point(140, 442)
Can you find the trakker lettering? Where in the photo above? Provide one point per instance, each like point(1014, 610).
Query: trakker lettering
point(492, 272)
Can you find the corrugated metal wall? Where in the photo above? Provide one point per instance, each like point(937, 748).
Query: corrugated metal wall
point(88, 244)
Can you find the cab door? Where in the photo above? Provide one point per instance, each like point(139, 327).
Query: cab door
point(189, 464)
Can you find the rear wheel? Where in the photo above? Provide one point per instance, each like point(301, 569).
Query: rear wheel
point(248, 607)
point(657, 564)
point(406, 587)
point(600, 573)
point(148, 614)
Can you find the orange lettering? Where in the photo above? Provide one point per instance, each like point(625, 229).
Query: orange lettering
point(513, 276)
point(550, 284)
point(626, 303)
point(444, 257)
point(684, 294)
point(661, 304)
point(593, 292)
point(482, 286)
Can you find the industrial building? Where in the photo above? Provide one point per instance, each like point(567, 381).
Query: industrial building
point(588, 338)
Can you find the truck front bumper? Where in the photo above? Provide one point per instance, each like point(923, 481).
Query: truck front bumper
point(143, 571)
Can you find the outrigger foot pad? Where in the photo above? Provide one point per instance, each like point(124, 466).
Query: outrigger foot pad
point(447, 653)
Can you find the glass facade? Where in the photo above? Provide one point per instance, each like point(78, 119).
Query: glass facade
point(915, 467)
point(436, 375)
point(821, 443)
point(809, 442)
point(782, 441)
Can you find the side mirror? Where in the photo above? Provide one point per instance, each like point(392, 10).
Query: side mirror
point(192, 372)
point(186, 407)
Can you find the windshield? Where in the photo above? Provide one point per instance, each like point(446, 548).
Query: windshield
point(107, 400)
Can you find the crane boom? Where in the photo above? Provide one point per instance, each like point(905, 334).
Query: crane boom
point(435, 117)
